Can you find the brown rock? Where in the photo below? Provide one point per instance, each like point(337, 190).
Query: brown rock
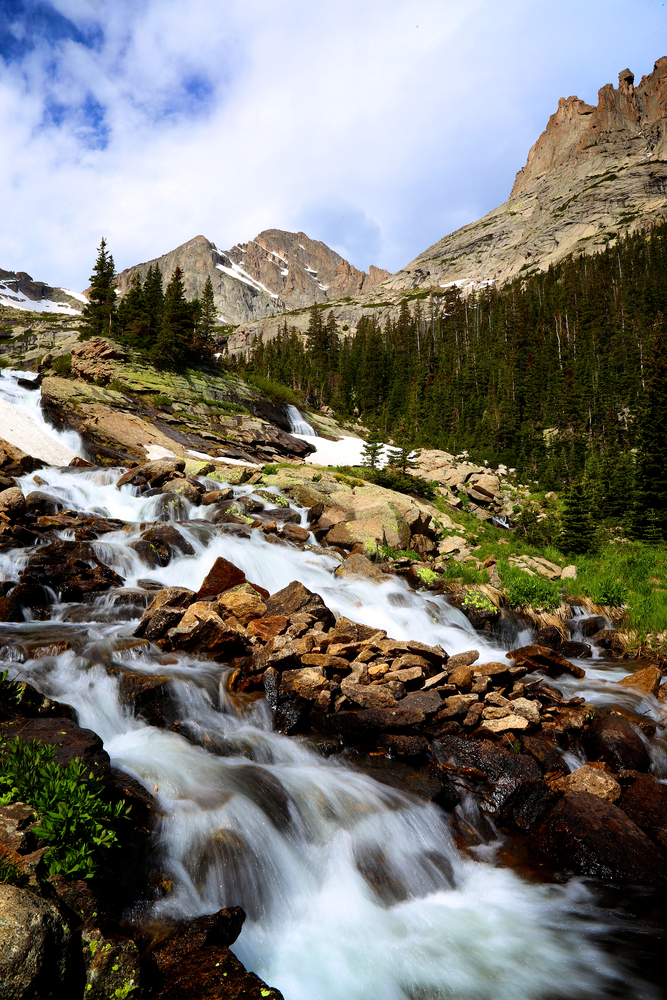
point(357, 564)
point(428, 702)
point(68, 739)
point(613, 740)
point(462, 659)
point(367, 696)
point(647, 680)
point(12, 502)
point(294, 599)
point(266, 627)
point(294, 533)
point(585, 834)
point(307, 683)
point(16, 822)
point(462, 677)
point(508, 723)
point(457, 705)
point(645, 802)
point(36, 947)
point(14, 462)
point(202, 630)
point(370, 721)
point(590, 779)
point(222, 576)
point(326, 661)
point(243, 603)
point(547, 659)
point(174, 597)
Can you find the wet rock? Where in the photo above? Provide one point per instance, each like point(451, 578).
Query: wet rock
point(294, 599)
point(613, 740)
point(202, 630)
point(545, 750)
point(216, 496)
point(294, 533)
point(65, 566)
point(166, 540)
point(111, 963)
point(155, 473)
point(579, 650)
point(462, 659)
point(10, 609)
point(242, 602)
point(36, 947)
point(68, 739)
point(284, 515)
point(42, 503)
point(528, 804)
point(150, 696)
point(306, 682)
point(12, 503)
point(456, 705)
point(647, 680)
point(174, 598)
point(507, 723)
point(14, 462)
point(358, 565)
point(367, 696)
point(590, 779)
point(408, 747)
point(222, 576)
point(586, 835)
point(196, 963)
point(537, 657)
point(368, 722)
point(607, 638)
point(183, 488)
point(504, 771)
point(550, 637)
point(428, 702)
point(644, 800)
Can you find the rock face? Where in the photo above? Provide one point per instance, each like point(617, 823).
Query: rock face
point(18, 289)
point(595, 171)
point(34, 946)
point(275, 271)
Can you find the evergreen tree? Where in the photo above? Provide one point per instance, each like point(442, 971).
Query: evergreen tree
point(208, 313)
point(403, 455)
point(176, 331)
point(371, 453)
point(100, 310)
point(578, 528)
point(154, 298)
point(651, 479)
point(132, 316)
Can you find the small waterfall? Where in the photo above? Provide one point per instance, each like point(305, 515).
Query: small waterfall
point(297, 424)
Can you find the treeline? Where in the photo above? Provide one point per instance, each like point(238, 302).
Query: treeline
point(548, 374)
point(159, 321)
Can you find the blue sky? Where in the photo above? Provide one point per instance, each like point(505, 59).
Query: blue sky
point(376, 127)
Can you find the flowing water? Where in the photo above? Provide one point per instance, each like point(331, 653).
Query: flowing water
point(353, 890)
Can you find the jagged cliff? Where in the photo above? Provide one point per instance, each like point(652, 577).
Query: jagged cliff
point(596, 171)
point(276, 271)
point(19, 291)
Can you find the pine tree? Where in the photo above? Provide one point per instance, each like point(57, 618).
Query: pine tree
point(99, 313)
point(154, 297)
point(132, 316)
point(175, 336)
point(371, 453)
point(403, 455)
point(578, 528)
point(650, 479)
point(208, 314)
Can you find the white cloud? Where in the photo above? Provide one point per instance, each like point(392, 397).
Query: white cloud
point(376, 127)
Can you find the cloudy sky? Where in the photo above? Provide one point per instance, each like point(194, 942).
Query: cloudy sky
point(376, 126)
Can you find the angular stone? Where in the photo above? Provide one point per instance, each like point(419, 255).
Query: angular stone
point(406, 675)
point(268, 626)
point(645, 802)
point(461, 676)
point(326, 661)
point(547, 659)
point(36, 947)
point(647, 680)
point(294, 599)
point(202, 630)
point(307, 683)
point(223, 575)
point(457, 705)
point(243, 604)
point(367, 696)
point(506, 724)
point(294, 533)
point(357, 564)
point(527, 708)
point(462, 659)
point(428, 702)
point(613, 740)
point(175, 597)
point(590, 779)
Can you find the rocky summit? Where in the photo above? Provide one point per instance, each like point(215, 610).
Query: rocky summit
point(276, 271)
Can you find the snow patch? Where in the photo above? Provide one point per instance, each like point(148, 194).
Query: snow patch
point(16, 300)
point(237, 272)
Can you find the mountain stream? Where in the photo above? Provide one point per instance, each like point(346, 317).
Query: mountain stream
point(260, 820)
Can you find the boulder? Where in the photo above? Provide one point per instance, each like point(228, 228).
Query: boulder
point(644, 800)
point(613, 740)
point(368, 696)
point(456, 705)
point(295, 599)
point(587, 835)
point(268, 627)
point(222, 576)
point(423, 546)
point(68, 739)
point(647, 680)
point(590, 779)
point(175, 598)
point(36, 960)
point(307, 683)
point(111, 963)
point(568, 573)
point(42, 503)
point(183, 488)
point(579, 650)
point(155, 473)
point(243, 603)
point(462, 659)
point(14, 462)
point(93, 360)
point(294, 533)
point(12, 503)
point(347, 534)
point(538, 657)
point(202, 630)
point(357, 565)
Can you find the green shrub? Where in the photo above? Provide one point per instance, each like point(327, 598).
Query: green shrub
point(269, 470)
point(475, 600)
point(386, 552)
point(63, 365)
point(274, 390)
point(160, 400)
point(607, 590)
point(74, 819)
point(528, 591)
point(401, 482)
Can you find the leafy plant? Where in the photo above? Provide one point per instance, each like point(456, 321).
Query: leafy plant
point(270, 470)
point(10, 869)
point(475, 600)
point(401, 482)
point(610, 591)
point(528, 591)
point(74, 818)
point(161, 400)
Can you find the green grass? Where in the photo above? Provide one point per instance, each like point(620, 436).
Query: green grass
point(524, 590)
point(276, 392)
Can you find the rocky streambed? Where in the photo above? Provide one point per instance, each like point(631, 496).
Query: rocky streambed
point(334, 779)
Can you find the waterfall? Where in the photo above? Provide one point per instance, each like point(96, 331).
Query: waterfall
point(353, 890)
point(297, 423)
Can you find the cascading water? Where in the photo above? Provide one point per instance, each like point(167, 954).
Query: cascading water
point(297, 423)
point(353, 889)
